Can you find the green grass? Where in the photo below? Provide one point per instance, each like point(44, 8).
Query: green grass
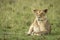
point(16, 16)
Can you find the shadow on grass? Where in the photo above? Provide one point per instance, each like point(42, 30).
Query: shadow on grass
point(56, 33)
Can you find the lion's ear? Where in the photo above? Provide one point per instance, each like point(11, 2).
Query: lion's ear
point(45, 10)
point(35, 10)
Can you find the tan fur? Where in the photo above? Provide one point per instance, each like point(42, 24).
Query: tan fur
point(40, 24)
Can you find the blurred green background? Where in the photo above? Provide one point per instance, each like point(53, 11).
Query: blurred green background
point(16, 16)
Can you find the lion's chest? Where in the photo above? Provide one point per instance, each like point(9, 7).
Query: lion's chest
point(36, 29)
point(39, 27)
point(42, 25)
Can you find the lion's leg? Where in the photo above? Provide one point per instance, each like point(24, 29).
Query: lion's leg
point(30, 30)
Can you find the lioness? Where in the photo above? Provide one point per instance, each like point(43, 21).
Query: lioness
point(40, 24)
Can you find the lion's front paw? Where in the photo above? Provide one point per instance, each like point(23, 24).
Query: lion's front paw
point(28, 34)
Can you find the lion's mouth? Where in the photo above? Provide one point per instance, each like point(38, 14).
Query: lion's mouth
point(39, 19)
